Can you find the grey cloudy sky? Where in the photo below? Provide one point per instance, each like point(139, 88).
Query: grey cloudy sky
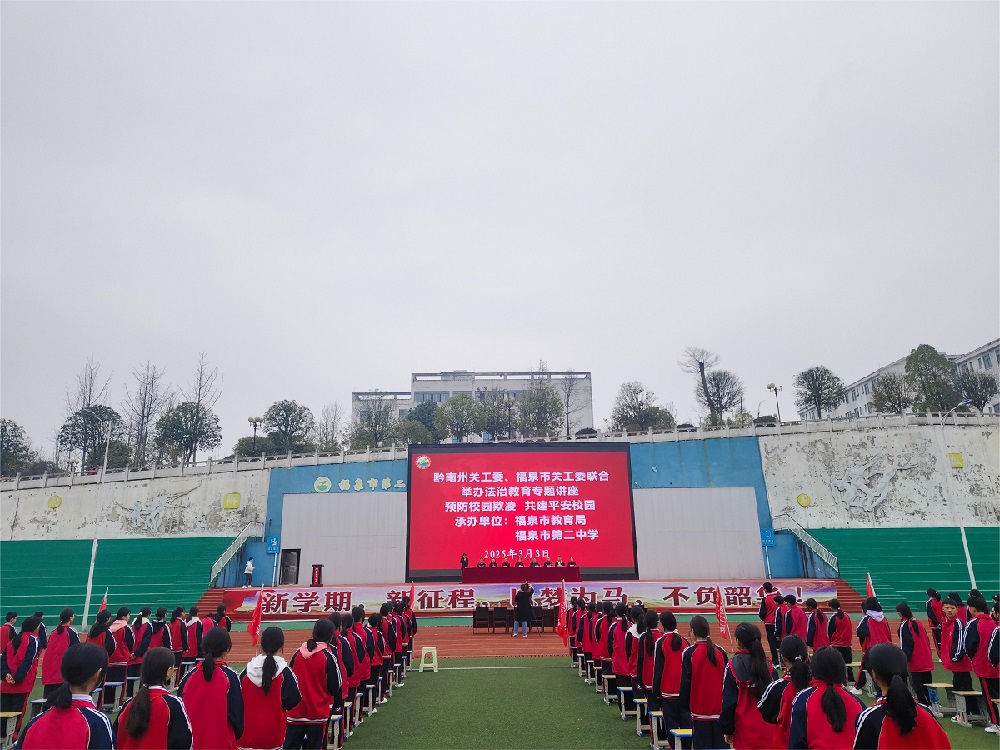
point(324, 197)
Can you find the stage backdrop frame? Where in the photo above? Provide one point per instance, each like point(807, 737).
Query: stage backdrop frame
point(589, 573)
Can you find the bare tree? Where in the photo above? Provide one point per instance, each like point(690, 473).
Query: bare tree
point(891, 394)
point(375, 422)
point(698, 361)
point(978, 387)
point(329, 426)
point(570, 390)
point(142, 406)
point(202, 394)
point(90, 390)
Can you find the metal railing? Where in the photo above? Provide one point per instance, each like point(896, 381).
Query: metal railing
point(806, 539)
point(397, 451)
point(252, 529)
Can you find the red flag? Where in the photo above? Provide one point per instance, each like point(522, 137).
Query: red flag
point(104, 601)
point(413, 599)
point(254, 627)
point(868, 585)
point(720, 615)
point(561, 627)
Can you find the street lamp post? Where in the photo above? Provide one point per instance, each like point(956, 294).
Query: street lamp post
point(256, 422)
point(100, 516)
point(775, 388)
point(510, 420)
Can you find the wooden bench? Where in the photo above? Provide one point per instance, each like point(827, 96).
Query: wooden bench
point(937, 707)
point(623, 694)
point(37, 706)
point(640, 709)
point(119, 694)
point(598, 677)
point(962, 714)
point(333, 733)
point(654, 730)
point(679, 736)
point(605, 679)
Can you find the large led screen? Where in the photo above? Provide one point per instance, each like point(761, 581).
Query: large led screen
point(534, 500)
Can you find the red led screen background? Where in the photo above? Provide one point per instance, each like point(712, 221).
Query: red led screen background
point(531, 500)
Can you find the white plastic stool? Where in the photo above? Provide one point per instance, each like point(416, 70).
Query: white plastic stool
point(432, 652)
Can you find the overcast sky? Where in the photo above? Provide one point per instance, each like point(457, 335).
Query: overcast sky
point(325, 197)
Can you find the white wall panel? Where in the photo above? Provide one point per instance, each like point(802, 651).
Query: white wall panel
point(358, 542)
point(697, 533)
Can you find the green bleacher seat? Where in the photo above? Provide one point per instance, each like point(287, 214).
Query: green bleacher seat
point(903, 562)
point(153, 572)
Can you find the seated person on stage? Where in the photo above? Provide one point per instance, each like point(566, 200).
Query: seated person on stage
point(493, 562)
point(535, 563)
point(505, 564)
point(519, 563)
point(547, 563)
point(572, 563)
point(481, 563)
point(559, 562)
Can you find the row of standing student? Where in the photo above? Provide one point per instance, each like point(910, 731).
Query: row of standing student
point(273, 703)
point(695, 685)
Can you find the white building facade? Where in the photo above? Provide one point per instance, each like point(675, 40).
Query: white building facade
point(575, 390)
point(858, 395)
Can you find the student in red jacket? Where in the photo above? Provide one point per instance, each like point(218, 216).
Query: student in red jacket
point(154, 718)
point(775, 704)
point(124, 641)
point(71, 720)
point(703, 666)
point(8, 629)
point(817, 636)
point(18, 668)
point(767, 612)
point(665, 682)
point(378, 657)
point(620, 648)
point(195, 631)
point(585, 637)
point(780, 611)
point(915, 644)
point(270, 690)
point(646, 657)
point(953, 656)
point(896, 720)
point(872, 630)
point(100, 634)
point(747, 675)
point(159, 631)
point(142, 633)
point(824, 714)
point(795, 619)
point(221, 619)
point(601, 628)
point(367, 645)
point(840, 632)
point(935, 617)
point(318, 674)
point(350, 643)
point(61, 639)
point(978, 632)
point(212, 696)
point(571, 615)
point(178, 638)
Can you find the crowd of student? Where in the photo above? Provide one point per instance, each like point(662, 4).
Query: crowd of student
point(180, 691)
point(806, 694)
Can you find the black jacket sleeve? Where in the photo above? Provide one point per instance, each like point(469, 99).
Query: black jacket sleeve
point(811, 631)
point(930, 615)
point(994, 647)
point(178, 726)
point(29, 658)
point(971, 639)
point(345, 654)
point(769, 704)
point(129, 638)
point(143, 646)
point(762, 612)
point(290, 694)
point(184, 638)
point(234, 703)
point(74, 637)
point(798, 732)
point(863, 632)
point(730, 696)
point(333, 684)
point(958, 642)
point(685, 696)
point(43, 636)
point(831, 627)
point(654, 694)
point(906, 639)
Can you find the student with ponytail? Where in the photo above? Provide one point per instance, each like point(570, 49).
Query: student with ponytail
point(915, 644)
point(212, 697)
point(195, 631)
point(585, 637)
point(160, 636)
point(665, 683)
point(71, 720)
point(817, 636)
point(178, 638)
point(775, 704)
point(154, 718)
point(18, 668)
point(646, 657)
point(896, 720)
point(620, 650)
point(872, 630)
point(747, 675)
point(976, 641)
point(841, 632)
point(317, 671)
point(142, 633)
point(703, 666)
point(59, 641)
point(824, 714)
point(8, 629)
point(269, 691)
point(124, 644)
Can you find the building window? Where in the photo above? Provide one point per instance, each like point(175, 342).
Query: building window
point(866, 389)
point(868, 408)
point(987, 361)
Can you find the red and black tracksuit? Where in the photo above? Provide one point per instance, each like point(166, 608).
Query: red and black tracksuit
point(214, 707)
point(585, 637)
point(817, 636)
point(953, 656)
point(978, 632)
point(7, 630)
point(767, 612)
point(124, 640)
point(913, 640)
point(601, 631)
point(775, 706)
point(665, 680)
point(935, 619)
point(21, 664)
point(840, 631)
point(169, 726)
point(318, 674)
point(795, 622)
point(142, 634)
point(265, 715)
point(178, 640)
point(740, 716)
point(701, 693)
point(621, 644)
point(875, 729)
point(872, 630)
point(811, 729)
point(645, 661)
point(79, 726)
point(52, 663)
